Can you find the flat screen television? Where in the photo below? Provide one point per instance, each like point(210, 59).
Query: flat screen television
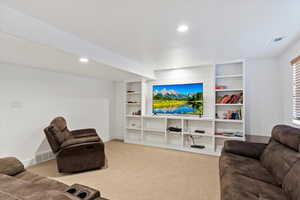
point(178, 99)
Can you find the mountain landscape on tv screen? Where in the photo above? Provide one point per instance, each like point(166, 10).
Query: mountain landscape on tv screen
point(178, 99)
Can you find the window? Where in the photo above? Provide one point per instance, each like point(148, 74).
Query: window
point(296, 89)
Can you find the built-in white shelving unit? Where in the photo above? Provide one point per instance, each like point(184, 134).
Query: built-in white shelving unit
point(231, 75)
point(152, 130)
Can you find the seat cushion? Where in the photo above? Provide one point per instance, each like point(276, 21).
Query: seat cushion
point(239, 187)
point(23, 190)
point(42, 181)
point(278, 159)
point(245, 166)
point(74, 141)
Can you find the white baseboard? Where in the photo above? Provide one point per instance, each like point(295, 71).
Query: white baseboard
point(39, 158)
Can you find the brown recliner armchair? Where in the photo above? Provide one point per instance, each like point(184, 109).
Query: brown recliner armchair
point(77, 150)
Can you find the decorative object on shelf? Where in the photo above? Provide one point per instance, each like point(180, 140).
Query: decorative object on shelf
point(133, 125)
point(230, 99)
point(133, 102)
point(198, 146)
point(200, 131)
point(220, 87)
point(195, 145)
point(234, 115)
point(137, 113)
point(174, 129)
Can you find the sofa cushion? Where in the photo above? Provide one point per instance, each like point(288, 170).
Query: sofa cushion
point(291, 183)
point(245, 166)
point(10, 166)
point(279, 159)
point(248, 149)
point(287, 135)
point(37, 179)
point(239, 187)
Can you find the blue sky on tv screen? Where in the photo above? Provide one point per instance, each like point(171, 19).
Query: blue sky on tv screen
point(181, 88)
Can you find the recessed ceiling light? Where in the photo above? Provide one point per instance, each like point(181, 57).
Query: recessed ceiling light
point(182, 28)
point(278, 39)
point(83, 60)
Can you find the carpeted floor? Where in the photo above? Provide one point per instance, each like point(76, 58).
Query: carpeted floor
point(137, 172)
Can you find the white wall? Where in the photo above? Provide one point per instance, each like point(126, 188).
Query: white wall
point(31, 98)
point(287, 80)
point(264, 99)
point(119, 119)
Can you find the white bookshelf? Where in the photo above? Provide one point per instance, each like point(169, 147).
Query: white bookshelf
point(232, 76)
point(151, 130)
point(133, 104)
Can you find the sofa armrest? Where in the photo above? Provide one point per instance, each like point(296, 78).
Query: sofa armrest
point(11, 166)
point(248, 149)
point(84, 132)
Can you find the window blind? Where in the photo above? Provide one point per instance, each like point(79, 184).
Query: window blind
point(296, 87)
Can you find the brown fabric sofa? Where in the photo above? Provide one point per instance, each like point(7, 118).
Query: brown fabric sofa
point(16, 183)
point(77, 150)
point(253, 171)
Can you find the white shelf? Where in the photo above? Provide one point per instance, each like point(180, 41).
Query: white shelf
point(228, 104)
point(133, 93)
point(229, 120)
point(198, 134)
point(133, 128)
point(133, 116)
point(178, 117)
point(153, 130)
point(134, 104)
point(174, 133)
point(230, 76)
point(198, 118)
point(229, 90)
point(229, 137)
point(153, 117)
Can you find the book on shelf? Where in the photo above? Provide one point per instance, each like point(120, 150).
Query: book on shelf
point(230, 99)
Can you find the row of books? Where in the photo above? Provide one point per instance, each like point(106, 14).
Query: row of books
point(230, 99)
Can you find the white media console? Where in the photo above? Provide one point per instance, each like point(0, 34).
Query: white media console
point(141, 127)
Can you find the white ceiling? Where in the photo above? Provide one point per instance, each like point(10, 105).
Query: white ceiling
point(145, 30)
point(28, 54)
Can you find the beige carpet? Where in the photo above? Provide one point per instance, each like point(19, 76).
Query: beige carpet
point(137, 172)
